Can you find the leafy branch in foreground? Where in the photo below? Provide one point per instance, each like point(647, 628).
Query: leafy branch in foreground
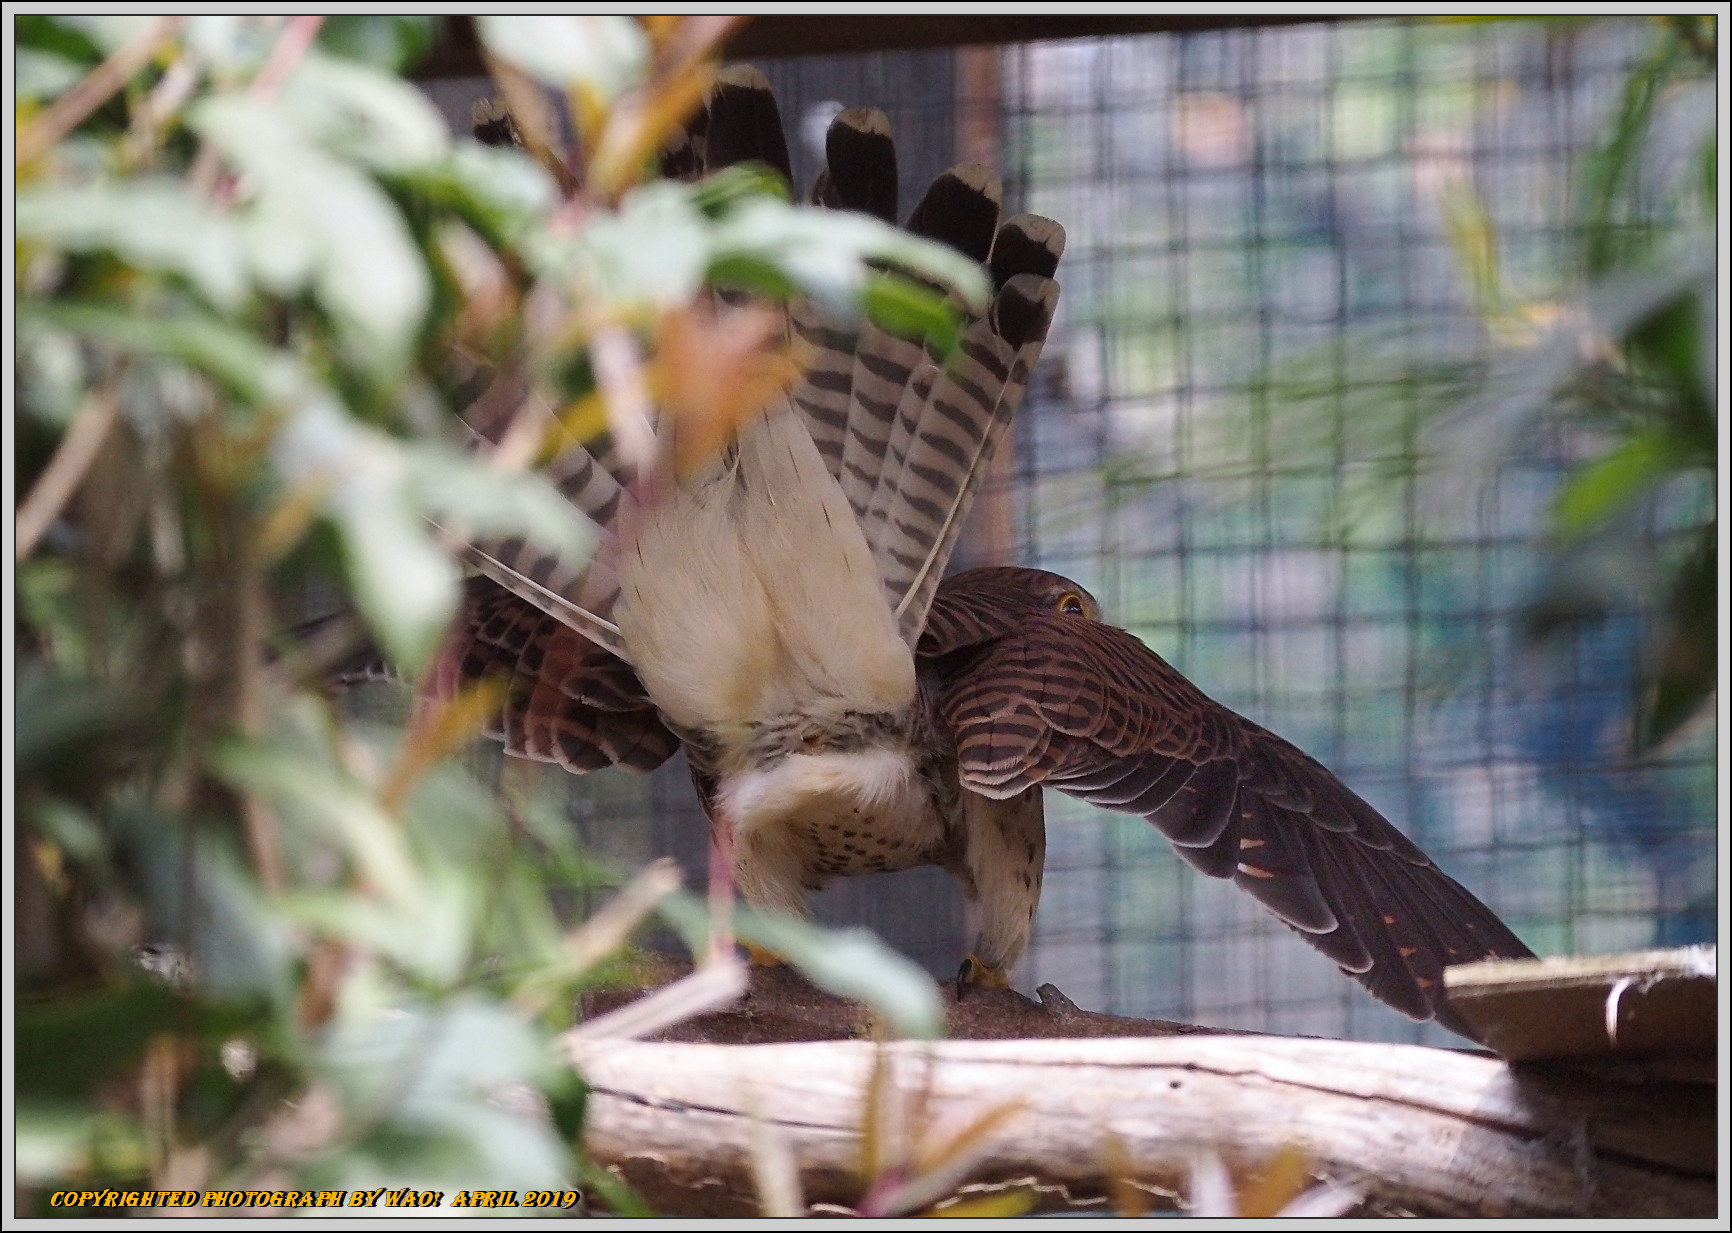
point(261, 943)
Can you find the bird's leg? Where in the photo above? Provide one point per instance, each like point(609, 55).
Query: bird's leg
point(721, 888)
point(1001, 870)
point(722, 902)
point(719, 981)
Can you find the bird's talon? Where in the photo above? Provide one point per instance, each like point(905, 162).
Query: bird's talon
point(975, 974)
point(758, 957)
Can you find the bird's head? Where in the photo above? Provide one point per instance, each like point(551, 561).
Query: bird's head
point(1013, 588)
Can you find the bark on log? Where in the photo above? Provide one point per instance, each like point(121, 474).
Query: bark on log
point(1431, 1131)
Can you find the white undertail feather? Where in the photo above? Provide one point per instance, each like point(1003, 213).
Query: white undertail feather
point(765, 536)
point(869, 781)
point(794, 818)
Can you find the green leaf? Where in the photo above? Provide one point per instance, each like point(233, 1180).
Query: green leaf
point(405, 585)
point(393, 43)
point(721, 191)
point(460, 491)
point(58, 1141)
point(233, 47)
point(240, 944)
point(567, 1098)
point(1000, 1206)
point(108, 31)
point(1599, 489)
point(1668, 344)
point(151, 224)
point(1528, 381)
point(366, 116)
point(545, 816)
point(753, 275)
point(232, 356)
point(619, 1198)
point(1614, 233)
point(67, 1043)
point(319, 796)
point(71, 828)
point(458, 1072)
point(604, 55)
point(612, 255)
point(1684, 672)
point(850, 963)
point(428, 934)
point(56, 36)
point(452, 818)
point(196, 887)
point(912, 310)
point(44, 75)
point(51, 382)
point(854, 963)
point(56, 712)
point(317, 222)
point(825, 252)
point(499, 191)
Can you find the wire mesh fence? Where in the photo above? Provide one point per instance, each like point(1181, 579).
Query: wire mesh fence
point(1265, 298)
point(1262, 303)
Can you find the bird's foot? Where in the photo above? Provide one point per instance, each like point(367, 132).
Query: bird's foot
point(977, 974)
point(758, 957)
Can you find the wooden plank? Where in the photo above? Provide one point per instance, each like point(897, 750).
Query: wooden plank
point(852, 33)
point(1645, 1003)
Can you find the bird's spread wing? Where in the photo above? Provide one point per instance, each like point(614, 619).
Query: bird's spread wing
point(1088, 709)
point(568, 700)
point(580, 593)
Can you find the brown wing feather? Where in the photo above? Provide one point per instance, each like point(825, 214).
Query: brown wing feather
point(568, 700)
point(1033, 696)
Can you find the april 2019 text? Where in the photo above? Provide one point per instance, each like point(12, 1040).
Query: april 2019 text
point(381, 1197)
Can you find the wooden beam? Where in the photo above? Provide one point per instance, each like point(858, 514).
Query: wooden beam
point(849, 33)
point(456, 52)
point(1654, 1003)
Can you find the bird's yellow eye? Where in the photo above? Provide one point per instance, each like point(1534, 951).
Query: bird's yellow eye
point(1070, 602)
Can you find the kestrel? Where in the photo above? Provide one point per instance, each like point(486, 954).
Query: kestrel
point(779, 615)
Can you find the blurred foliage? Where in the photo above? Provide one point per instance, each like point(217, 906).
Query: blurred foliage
point(261, 943)
point(910, 1159)
point(1276, 1188)
point(1650, 246)
point(1629, 369)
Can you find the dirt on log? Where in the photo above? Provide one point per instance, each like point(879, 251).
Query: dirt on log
point(1103, 1101)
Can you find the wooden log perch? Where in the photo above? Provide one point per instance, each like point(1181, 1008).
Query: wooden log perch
point(1435, 1132)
